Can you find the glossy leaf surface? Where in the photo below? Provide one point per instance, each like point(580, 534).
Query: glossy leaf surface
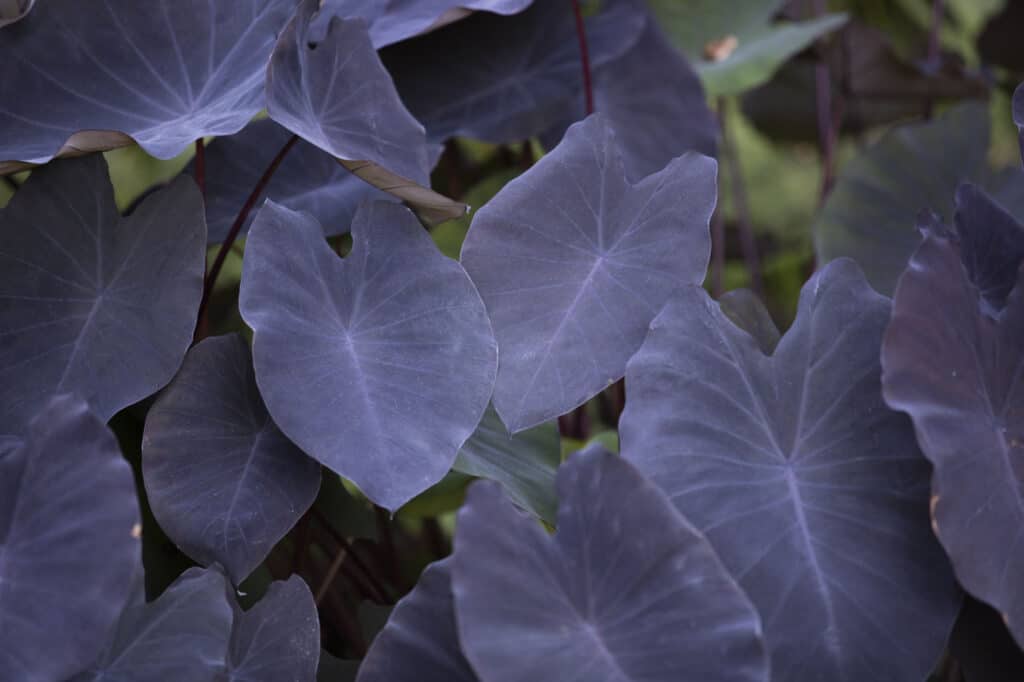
point(222, 480)
point(381, 365)
point(92, 303)
point(278, 639)
point(626, 590)
point(337, 95)
point(810, 489)
point(954, 363)
point(505, 79)
point(182, 635)
point(420, 642)
point(162, 73)
point(525, 464)
point(870, 214)
point(67, 550)
point(570, 253)
point(759, 47)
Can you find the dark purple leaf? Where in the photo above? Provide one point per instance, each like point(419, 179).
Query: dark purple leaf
point(163, 73)
point(278, 639)
point(392, 21)
point(337, 95)
point(626, 590)
point(813, 493)
point(525, 464)
point(991, 245)
point(183, 635)
point(505, 79)
point(68, 543)
point(91, 303)
point(957, 368)
point(223, 482)
point(655, 103)
point(574, 261)
point(420, 642)
point(869, 216)
point(379, 366)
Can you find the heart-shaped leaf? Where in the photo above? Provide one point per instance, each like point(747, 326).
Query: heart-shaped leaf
point(953, 361)
point(182, 635)
point(530, 79)
point(574, 261)
point(525, 464)
point(420, 642)
point(379, 366)
point(626, 591)
point(278, 639)
point(337, 95)
point(811, 490)
point(392, 21)
point(68, 543)
point(91, 303)
point(733, 43)
point(93, 75)
point(222, 480)
point(870, 214)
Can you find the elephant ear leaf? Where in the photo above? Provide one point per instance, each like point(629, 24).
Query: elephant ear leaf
point(68, 542)
point(107, 74)
point(952, 360)
point(809, 487)
point(337, 95)
point(79, 287)
point(380, 365)
point(626, 590)
point(222, 480)
point(574, 261)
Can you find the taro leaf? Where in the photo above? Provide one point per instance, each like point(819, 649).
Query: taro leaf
point(574, 261)
point(870, 214)
point(760, 48)
point(379, 366)
point(525, 464)
point(91, 303)
point(420, 642)
point(337, 95)
point(67, 544)
point(626, 590)
point(13, 10)
point(505, 79)
point(278, 639)
point(183, 635)
point(1018, 115)
point(392, 21)
point(957, 372)
point(991, 244)
point(162, 73)
point(813, 493)
point(223, 482)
